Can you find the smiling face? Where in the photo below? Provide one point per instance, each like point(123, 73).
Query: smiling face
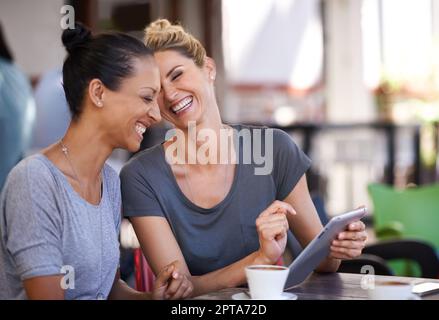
point(186, 90)
point(132, 108)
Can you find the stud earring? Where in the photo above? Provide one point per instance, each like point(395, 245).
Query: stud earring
point(99, 103)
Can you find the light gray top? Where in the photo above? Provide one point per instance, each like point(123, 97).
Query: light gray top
point(46, 228)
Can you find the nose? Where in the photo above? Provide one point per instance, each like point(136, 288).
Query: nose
point(169, 92)
point(154, 113)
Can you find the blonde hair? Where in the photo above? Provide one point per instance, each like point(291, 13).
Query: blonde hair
point(161, 35)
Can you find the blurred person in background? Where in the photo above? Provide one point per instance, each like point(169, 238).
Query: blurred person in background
point(52, 112)
point(17, 111)
point(60, 210)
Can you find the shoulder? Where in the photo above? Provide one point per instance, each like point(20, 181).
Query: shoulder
point(33, 169)
point(32, 181)
point(280, 139)
point(277, 133)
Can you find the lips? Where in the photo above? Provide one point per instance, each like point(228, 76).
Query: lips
point(140, 129)
point(182, 105)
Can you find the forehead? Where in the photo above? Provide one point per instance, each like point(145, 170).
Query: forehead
point(170, 58)
point(145, 70)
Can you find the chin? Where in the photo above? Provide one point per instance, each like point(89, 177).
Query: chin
point(133, 147)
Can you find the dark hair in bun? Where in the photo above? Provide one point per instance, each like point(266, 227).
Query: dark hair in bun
point(75, 38)
point(109, 57)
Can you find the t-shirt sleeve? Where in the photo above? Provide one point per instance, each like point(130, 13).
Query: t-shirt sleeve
point(138, 196)
point(33, 222)
point(290, 163)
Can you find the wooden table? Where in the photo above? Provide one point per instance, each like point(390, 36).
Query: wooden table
point(334, 286)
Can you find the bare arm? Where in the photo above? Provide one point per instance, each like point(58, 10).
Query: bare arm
point(306, 224)
point(121, 291)
point(160, 247)
point(44, 288)
point(170, 284)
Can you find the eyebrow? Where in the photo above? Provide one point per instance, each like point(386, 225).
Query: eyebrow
point(153, 90)
point(170, 71)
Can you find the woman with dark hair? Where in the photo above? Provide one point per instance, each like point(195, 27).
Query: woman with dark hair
point(60, 211)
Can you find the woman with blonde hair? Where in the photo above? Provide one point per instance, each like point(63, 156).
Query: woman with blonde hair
point(217, 216)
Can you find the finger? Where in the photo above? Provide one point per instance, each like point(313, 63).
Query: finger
point(350, 235)
point(349, 253)
point(273, 220)
point(164, 276)
point(340, 256)
point(180, 291)
point(278, 205)
point(273, 227)
point(357, 226)
point(188, 292)
point(349, 244)
point(273, 233)
point(174, 286)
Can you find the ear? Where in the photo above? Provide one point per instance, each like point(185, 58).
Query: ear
point(96, 92)
point(210, 67)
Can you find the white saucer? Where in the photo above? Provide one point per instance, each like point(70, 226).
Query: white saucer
point(414, 297)
point(284, 296)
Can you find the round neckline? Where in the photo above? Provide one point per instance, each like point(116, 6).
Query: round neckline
point(69, 186)
point(187, 201)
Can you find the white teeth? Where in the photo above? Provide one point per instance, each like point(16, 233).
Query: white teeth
point(140, 128)
point(182, 104)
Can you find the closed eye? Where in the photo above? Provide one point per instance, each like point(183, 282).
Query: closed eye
point(176, 75)
point(148, 99)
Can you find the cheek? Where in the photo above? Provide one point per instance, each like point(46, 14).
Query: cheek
point(163, 110)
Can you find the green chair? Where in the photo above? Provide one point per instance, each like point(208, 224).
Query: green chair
point(409, 213)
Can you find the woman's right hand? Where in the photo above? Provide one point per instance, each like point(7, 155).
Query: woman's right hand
point(272, 227)
point(172, 284)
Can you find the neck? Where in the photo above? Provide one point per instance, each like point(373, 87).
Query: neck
point(209, 139)
point(87, 149)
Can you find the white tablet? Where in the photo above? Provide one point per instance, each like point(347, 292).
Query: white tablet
point(318, 249)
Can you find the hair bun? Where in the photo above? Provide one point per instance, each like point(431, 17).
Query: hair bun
point(75, 38)
point(160, 24)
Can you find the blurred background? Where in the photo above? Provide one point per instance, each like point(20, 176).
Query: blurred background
point(355, 83)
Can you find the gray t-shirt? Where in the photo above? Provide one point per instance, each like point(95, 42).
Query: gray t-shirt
point(46, 228)
point(212, 238)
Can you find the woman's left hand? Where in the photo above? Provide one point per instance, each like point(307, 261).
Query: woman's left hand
point(349, 243)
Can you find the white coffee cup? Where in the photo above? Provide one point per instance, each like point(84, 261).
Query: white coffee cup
point(391, 290)
point(266, 282)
